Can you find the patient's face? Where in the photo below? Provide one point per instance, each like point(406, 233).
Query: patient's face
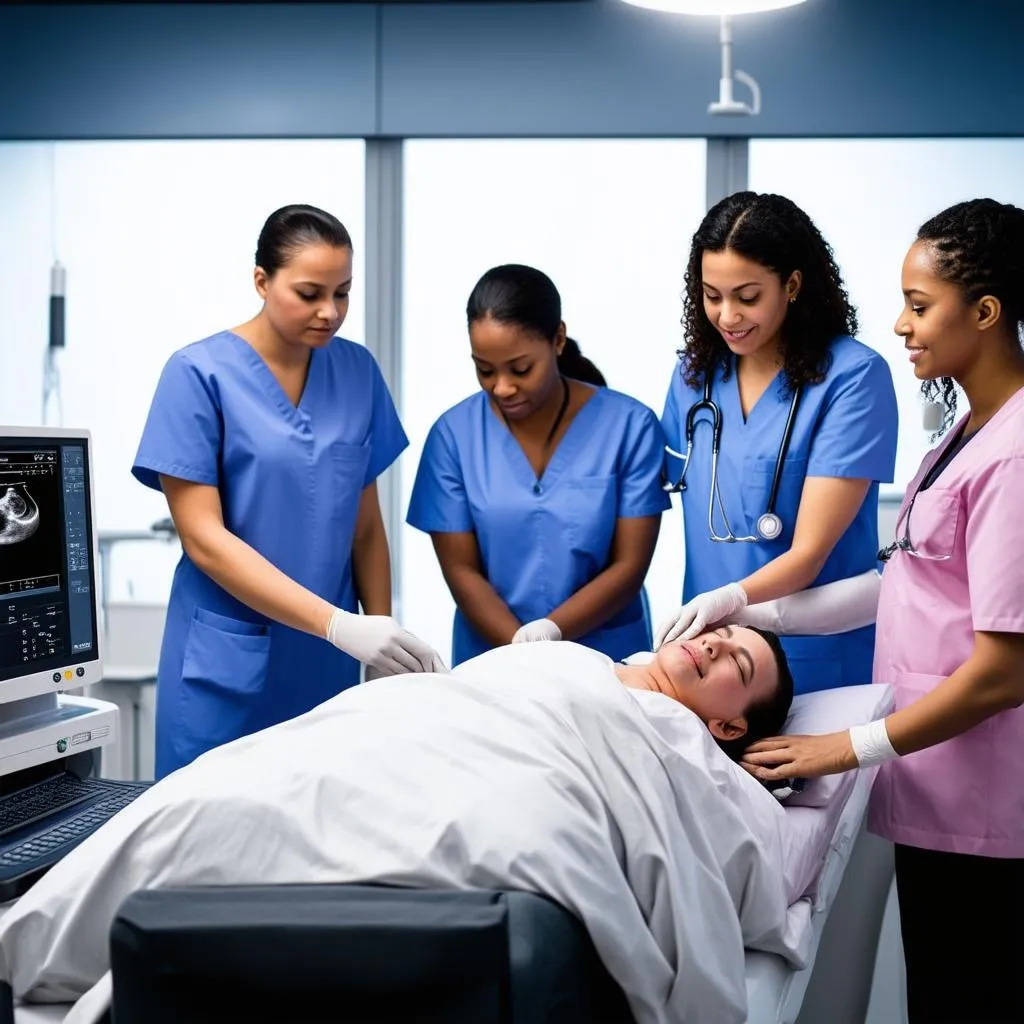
point(718, 675)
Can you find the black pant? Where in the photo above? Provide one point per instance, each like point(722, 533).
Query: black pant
point(962, 919)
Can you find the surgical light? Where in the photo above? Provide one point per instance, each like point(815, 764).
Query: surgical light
point(717, 8)
point(723, 9)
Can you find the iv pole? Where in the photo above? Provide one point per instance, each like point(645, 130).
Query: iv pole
point(53, 403)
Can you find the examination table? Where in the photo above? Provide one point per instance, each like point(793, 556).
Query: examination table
point(283, 953)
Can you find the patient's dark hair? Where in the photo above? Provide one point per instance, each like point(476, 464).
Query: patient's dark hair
point(766, 717)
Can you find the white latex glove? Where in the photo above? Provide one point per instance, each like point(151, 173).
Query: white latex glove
point(819, 611)
point(539, 629)
point(704, 610)
point(378, 641)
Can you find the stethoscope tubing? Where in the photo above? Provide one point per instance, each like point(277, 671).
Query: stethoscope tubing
point(707, 404)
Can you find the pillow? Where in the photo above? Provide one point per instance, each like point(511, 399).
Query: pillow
point(831, 711)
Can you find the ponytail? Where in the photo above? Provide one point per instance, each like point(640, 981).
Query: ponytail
point(573, 363)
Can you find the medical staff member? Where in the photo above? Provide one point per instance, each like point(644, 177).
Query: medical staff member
point(267, 440)
point(950, 790)
point(792, 422)
point(541, 493)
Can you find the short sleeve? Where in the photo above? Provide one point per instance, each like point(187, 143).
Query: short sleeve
point(670, 417)
point(183, 433)
point(856, 435)
point(995, 548)
point(640, 492)
point(439, 503)
point(387, 437)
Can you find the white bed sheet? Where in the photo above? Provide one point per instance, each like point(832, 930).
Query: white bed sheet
point(693, 873)
point(817, 848)
point(774, 990)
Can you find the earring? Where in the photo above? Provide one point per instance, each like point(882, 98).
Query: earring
point(792, 299)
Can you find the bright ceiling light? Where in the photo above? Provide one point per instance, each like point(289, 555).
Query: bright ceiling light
point(714, 7)
point(724, 11)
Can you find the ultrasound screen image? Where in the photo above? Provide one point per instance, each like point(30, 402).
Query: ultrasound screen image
point(19, 515)
point(31, 520)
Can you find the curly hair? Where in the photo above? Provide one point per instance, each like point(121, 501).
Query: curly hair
point(773, 231)
point(978, 246)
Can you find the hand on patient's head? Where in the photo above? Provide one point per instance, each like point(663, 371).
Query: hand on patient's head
point(735, 678)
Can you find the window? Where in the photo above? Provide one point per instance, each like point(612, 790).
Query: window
point(158, 240)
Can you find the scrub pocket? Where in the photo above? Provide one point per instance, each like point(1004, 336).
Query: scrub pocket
point(344, 491)
point(945, 789)
point(223, 674)
point(932, 522)
point(758, 473)
point(591, 515)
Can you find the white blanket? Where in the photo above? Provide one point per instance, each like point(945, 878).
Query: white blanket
point(530, 767)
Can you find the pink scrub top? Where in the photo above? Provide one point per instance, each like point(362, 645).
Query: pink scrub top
point(965, 795)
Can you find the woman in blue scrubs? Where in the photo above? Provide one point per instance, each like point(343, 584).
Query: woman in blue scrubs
point(541, 493)
point(770, 328)
point(267, 441)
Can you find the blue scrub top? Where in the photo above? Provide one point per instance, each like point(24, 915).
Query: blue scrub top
point(846, 427)
point(290, 480)
point(542, 540)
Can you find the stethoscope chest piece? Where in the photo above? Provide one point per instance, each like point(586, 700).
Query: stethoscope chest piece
point(769, 526)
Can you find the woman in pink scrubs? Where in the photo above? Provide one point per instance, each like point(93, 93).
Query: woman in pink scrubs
point(950, 636)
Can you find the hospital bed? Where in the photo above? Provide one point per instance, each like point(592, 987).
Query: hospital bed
point(545, 950)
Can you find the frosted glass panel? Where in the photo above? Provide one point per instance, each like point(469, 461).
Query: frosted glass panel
point(869, 197)
point(610, 222)
point(158, 239)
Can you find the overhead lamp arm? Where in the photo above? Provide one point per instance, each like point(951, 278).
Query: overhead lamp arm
point(726, 103)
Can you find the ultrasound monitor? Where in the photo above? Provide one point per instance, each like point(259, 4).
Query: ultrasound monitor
point(49, 609)
point(49, 639)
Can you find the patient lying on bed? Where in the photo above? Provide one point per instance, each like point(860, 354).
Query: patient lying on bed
point(736, 679)
point(530, 767)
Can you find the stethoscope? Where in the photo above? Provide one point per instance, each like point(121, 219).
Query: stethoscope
point(769, 525)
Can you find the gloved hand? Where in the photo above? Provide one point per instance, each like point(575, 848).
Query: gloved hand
point(538, 629)
point(704, 610)
point(380, 642)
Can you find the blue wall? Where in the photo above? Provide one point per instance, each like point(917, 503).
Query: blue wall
point(827, 68)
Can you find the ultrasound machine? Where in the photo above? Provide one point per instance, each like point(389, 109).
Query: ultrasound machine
point(50, 796)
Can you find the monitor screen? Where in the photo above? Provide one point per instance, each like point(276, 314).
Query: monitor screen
point(48, 628)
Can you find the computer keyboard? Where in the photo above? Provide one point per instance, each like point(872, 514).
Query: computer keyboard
point(36, 802)
point(43, 822)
